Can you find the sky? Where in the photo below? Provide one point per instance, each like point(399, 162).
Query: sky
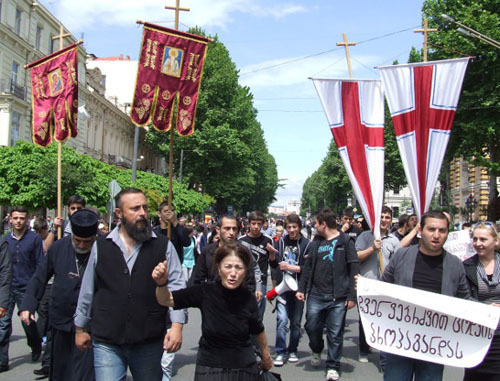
point(276, 46)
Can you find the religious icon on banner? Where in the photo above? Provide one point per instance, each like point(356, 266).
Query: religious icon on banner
point(55, 82)
point(170, 68)
point(172, 61)
point(54, 86)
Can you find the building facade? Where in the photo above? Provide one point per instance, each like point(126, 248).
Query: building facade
point(467, 180)
point(105, 131)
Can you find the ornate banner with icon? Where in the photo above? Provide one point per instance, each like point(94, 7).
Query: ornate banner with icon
point(170, 67)
point(54, 96)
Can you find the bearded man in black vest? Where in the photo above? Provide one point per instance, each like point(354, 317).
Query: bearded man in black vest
point(118, 297)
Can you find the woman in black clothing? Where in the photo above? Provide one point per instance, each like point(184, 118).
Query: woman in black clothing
point(229, 317)
point(483, 274)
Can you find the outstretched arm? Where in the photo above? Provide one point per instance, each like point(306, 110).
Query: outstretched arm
point(160, 276)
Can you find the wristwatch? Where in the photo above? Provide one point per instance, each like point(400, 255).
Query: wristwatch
point(80, 330)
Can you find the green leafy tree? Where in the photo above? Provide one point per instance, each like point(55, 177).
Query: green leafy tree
point(328, 186)
point(227, 156)
point(476, 132)
point(28, 177)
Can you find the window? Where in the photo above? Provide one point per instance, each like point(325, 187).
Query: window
point(15, 71)
point(38, 39)
point(15, 126)
point(17, 24)
point(52, 44)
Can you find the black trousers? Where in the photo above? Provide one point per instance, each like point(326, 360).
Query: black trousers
point(67, 361)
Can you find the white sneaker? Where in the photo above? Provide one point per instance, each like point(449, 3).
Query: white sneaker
point(279, 360)
point(292, 357)
point(315, 359)
point(363, 358)
point(332, 375)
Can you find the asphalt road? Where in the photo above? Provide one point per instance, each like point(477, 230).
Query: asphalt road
point(352, 369)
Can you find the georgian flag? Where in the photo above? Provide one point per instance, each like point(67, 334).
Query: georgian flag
point(355, 112)
point(423, 98)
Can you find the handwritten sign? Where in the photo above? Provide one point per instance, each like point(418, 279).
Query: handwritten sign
point(425, 325)
point(459, 244)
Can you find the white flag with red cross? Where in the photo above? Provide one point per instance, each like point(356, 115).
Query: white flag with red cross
point(355, 113)
point(423, 98)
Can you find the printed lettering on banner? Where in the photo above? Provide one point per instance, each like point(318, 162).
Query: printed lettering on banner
point(424, 325)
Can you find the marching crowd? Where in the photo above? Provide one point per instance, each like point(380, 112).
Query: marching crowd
point(112, 301)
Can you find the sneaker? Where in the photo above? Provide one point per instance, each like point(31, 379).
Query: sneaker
point(315, 359)
point(292, 357)
point(332, 375)
point(363, 358)
point(279, 360)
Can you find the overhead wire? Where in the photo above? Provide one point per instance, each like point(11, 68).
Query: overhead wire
point(324, 52)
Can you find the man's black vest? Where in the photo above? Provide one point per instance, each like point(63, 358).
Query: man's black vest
point(125, 310)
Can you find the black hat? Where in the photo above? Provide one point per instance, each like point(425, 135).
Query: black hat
point(84, 223)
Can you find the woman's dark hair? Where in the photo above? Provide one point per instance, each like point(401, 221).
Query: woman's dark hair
point(213, 233)
point(231, 248)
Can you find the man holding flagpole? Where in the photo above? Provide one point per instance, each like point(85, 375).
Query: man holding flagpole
point(370, 251)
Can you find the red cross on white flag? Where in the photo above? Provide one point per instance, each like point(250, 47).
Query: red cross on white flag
point(423, 98)
point(355, 113)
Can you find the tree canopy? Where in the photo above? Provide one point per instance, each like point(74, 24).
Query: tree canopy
point(28, 177)
point(227, 156)
point(476, 132)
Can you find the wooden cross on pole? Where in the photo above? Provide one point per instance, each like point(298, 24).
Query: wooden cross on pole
point(59, 37)
point(346, 45)
point(425, 31)
point(177, 9)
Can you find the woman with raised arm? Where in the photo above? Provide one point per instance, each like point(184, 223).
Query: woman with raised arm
point(229, 317)
point(483, 274)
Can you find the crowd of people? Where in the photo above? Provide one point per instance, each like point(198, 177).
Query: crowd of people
point(113, 301)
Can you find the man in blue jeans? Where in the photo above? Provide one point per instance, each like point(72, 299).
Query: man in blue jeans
point(291, 257)
point(26, 251)
point(328, 280)
point(117, 299)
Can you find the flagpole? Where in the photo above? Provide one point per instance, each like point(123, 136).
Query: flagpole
point(177, 9)
point(60, 37)
point(425, 32)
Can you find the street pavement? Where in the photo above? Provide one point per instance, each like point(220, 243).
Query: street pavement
point(352, 369)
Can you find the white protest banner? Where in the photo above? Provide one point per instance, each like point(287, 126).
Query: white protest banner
point(459, 244)
point(424, 325)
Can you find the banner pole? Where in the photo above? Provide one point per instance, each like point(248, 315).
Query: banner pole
point(59, 147)
point(177, 9)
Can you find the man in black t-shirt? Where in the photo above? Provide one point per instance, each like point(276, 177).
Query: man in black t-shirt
point(261, 247)
point(328, 280)
point(293, 250)
point(427, 267)
point(407, 230)
point(347, 224)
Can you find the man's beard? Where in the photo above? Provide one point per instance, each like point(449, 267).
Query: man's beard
point(79, 250)
point(138, 234)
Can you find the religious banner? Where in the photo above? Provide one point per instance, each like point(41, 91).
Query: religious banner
point(423, 98)
point(54, 96)
point(170, 67)
point(355, 114)
point(424, 325)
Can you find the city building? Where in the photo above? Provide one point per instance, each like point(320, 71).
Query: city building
point(293, 206)
point(469, 186)
point(105, 131)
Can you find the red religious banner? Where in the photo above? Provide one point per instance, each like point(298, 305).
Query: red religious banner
point(170, 66)
point(54, 96)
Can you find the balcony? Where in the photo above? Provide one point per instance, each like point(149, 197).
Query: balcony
point(10, 87)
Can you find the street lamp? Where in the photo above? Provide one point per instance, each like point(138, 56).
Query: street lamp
point(470, 205)
point(467, 31)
